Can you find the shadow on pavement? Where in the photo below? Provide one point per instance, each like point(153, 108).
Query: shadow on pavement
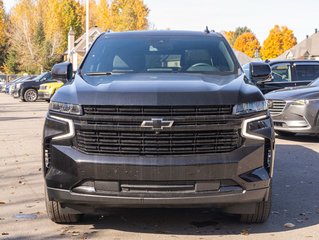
point(301, 138)
point(18, 118)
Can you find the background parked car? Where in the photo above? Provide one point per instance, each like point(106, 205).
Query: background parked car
point(47, 90)
point(28, 90)
point(288, 73)
point(295, 110)
point(16, 85)
point(2, 83)
point(6, 87)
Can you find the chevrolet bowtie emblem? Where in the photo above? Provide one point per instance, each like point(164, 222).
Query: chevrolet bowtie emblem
point(157, 124)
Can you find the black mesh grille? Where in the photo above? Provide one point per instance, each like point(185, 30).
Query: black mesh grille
point(143, 143)
point(161, 111)
point(195, 130)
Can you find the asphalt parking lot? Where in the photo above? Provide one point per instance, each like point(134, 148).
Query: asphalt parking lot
point(23, 215)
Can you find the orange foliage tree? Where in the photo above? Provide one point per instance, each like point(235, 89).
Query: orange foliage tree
point(247, 43)
point(2, 24)
point(229, 35)
point(232, 36)
point(279, 40)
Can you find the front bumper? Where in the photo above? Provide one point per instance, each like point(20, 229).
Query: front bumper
point(298, 118)
point(44, 95)
point(98, 181)
point(91, 202)
point(15, 93)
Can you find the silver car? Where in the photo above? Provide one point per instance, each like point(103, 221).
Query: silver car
point(295, 110)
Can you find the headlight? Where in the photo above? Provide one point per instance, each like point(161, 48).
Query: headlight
point(65, 108)
point(43, 87)
point(300, 102)
point(250, 107)
point(18, 85)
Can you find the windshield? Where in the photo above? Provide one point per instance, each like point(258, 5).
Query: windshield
point(40, 76)
point(146, 54)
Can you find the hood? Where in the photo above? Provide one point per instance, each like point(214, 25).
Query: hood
point(295, 93)
point(158, 89)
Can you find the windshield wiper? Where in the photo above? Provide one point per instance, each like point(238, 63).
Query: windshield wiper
point(108, 73)
point(98, 73)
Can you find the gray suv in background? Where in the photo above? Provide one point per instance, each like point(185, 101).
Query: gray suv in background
point(158, 119)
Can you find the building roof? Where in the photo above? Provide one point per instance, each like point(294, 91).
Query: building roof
point(242, 57)
point(309, 47)
point(80, 43)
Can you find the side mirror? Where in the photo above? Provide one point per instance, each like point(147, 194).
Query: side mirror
point(260, 72)
point(62, 72)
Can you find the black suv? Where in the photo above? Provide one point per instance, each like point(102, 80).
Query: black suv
point(288, 73)
point(28, 90)
point(158, 119)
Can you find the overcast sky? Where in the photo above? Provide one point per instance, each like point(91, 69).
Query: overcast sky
point(260, 16)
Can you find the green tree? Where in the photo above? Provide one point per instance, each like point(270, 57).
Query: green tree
point(72, 15)
point(11, 65)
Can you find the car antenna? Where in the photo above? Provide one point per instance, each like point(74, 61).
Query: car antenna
point(207, 30)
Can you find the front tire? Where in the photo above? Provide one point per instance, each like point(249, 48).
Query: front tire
point(30, 95)
point(55, 212)
point(261, 214)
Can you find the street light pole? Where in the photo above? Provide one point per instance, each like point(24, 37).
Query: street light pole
point(87, 25)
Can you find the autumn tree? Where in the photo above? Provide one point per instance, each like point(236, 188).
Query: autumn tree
point(3, 37)
point(39, 40)
point(288, 38)
point(229, 35)
point(2, 24)
point(279, 40)
point(247, 43)
point(93, 13)
point(53, 25)
point(232, 36)
point(23, 24)
point(102, 16)
point(129, 15)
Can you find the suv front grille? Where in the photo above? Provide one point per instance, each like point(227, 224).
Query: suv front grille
point(277, 107)
point(158, 111)
point(196, 130)
point(151, 143)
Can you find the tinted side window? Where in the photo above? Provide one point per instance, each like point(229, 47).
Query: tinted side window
point(307, 72)
point(281, 72)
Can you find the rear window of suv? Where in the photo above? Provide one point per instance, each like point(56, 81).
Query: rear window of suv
point(147, 54)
